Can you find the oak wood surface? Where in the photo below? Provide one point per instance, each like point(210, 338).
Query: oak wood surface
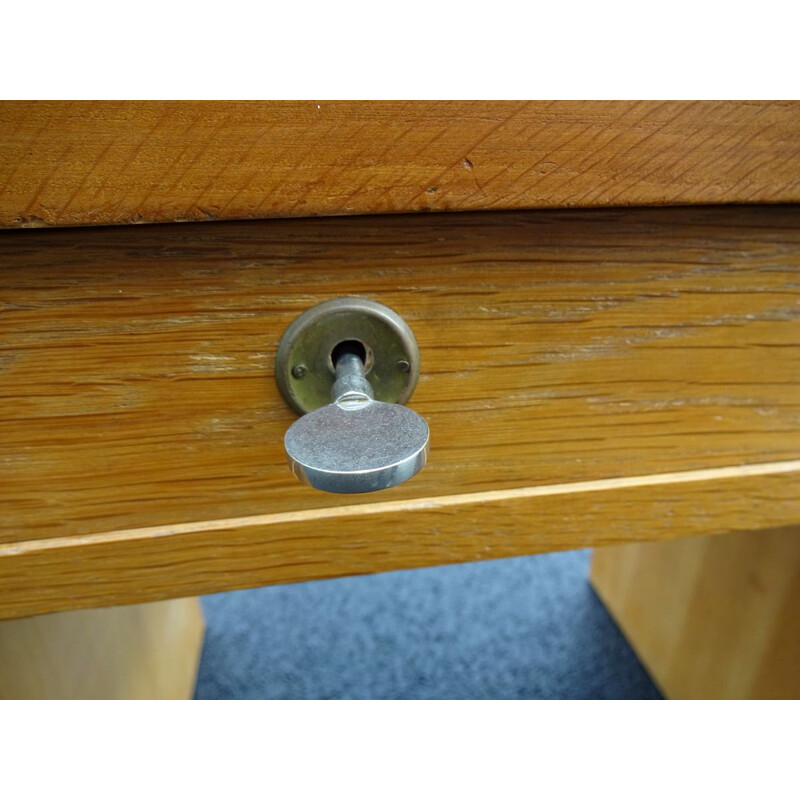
point(133, 566)
point(85, 163)
point(136, 652)
point(137, 388)
point(137, 363)
point(711, 617)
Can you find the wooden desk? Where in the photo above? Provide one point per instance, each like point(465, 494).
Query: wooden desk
point(591, 377)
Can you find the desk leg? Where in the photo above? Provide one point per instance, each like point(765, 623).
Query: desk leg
point(710, 616)
point(148, 651)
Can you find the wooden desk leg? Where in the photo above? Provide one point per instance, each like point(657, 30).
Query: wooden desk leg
point(711, 616)
point(148, 651)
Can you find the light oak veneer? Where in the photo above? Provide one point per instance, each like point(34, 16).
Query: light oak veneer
point(141, 422)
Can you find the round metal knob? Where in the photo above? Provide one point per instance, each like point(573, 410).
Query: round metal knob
point(356, 444)
point(350, 350)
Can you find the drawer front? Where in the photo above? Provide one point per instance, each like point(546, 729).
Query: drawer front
point(588, 377)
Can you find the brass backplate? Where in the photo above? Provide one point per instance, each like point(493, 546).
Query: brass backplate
point(304, 367)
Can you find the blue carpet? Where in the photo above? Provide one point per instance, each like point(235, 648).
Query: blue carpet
point(517, 628)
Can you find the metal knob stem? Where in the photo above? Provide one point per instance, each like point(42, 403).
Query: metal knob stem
point(350, 379)
point(356, 444)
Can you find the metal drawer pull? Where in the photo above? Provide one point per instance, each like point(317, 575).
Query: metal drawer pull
point(362, 356)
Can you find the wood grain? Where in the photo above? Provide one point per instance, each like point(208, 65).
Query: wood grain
point(136, 652)
point(86, 163)
point(136, 364)
point(711, 617)
point(141, 437)
point(170, 561)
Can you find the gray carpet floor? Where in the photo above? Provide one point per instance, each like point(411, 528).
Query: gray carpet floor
point(516, 628)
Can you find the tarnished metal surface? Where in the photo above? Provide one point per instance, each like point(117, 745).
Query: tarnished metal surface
point(304, 367)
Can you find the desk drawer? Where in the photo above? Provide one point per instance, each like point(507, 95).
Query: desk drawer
point(567, 358)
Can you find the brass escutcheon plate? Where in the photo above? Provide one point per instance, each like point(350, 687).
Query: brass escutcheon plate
point(304, 367)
